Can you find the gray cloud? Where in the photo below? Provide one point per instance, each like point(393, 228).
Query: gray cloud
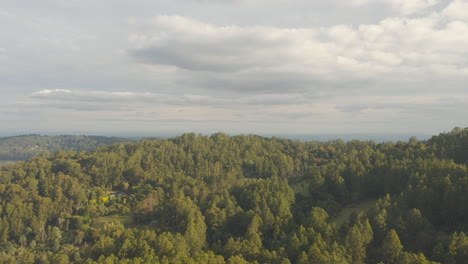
point(308, 59)
point(424, 105)
point(352, 107)
point(105, 100)
point(405, 7)
point(315, 66)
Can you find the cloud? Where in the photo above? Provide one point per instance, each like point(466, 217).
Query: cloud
point(405, 7)
point(105, 100)
point(341, 58)
point(193, 45)
point(98, 96)
point(457, 10)
point(3, 53)
point(325, 66)
point(422, 105)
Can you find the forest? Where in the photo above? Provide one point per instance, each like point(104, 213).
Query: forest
point(240, 199)
point(26, 146)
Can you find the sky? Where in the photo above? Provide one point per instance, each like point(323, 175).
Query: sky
point(235, 66)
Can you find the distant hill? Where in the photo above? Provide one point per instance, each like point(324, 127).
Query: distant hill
point(26, 146)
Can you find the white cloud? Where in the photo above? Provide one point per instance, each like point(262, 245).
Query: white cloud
point(457, 10)
point(276, 60)
point(193, 45)
point(405, 7)
point(103, 99)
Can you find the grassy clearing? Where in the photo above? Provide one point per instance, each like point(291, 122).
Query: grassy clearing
point(346, 212)
point(7, 162)
point(302, 188)
point(100, 222)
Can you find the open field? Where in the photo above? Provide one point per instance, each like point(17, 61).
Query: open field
point(100, 222)
point(301, 188)
point(347, 211)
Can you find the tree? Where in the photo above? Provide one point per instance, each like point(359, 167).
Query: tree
point(391, 247)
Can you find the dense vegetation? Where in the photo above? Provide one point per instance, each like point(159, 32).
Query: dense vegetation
point(240, 199)
point(26, 146)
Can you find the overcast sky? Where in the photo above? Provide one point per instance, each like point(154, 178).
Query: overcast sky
point(237, 66)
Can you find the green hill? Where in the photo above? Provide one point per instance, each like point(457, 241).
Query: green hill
point(451, 145)
point(26, 146)
point(243, 199)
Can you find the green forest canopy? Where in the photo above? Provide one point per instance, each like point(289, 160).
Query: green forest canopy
point(240, 199)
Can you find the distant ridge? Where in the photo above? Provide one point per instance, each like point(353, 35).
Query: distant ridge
point(23, 147)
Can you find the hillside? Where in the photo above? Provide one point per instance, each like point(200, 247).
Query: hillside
point(451, 145)
point(236, 200)
point(26, 146)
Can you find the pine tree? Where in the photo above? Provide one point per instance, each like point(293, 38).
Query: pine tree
point(391, 247)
